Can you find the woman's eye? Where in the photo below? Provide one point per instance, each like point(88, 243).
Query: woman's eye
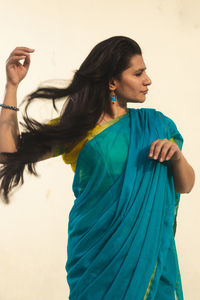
point(138, 74)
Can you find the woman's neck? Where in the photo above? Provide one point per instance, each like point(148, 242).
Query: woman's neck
point(117, 111)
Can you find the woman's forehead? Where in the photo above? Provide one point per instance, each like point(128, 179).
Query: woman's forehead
point(136, 63)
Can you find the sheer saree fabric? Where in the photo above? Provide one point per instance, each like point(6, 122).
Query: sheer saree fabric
point(72, 156)
point(122, 224)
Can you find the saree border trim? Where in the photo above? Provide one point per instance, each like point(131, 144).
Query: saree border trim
point(150, 282)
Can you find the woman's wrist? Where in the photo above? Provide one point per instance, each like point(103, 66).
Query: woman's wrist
point(11, 86)
point(10, 94)
point(10, 97)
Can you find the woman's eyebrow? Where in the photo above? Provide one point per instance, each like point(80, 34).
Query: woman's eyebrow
point(141, 69)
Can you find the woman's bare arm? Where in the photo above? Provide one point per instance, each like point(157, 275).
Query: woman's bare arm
point(9, 129)
point(183, 174)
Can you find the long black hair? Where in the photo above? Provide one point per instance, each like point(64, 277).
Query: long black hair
point(87, 98)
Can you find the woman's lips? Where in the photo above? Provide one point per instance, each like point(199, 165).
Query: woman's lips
point(145, 92)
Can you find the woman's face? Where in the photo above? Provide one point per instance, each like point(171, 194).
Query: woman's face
point(133, 85)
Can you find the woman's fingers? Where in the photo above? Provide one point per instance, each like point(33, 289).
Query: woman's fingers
point(170, 153)
point(19, 52)
point(160, 148)
point(154, 149)
point(24, 49)
point(14, 59)
point(27, 61)
point(164, 152)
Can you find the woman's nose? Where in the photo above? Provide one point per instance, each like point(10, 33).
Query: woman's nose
point(148, 80)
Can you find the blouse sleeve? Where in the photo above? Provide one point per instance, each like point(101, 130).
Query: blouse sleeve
point(70, 157)
point(171, 128)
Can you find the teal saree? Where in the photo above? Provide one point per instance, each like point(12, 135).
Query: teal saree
point(123, 221)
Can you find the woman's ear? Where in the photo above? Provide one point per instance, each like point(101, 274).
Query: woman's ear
point(112, 84)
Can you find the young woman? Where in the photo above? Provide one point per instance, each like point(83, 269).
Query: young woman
point(129, 173)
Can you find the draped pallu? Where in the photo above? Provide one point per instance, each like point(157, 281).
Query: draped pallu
point(122, 225)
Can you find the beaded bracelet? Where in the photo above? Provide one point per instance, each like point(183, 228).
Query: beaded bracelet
point(9, 107)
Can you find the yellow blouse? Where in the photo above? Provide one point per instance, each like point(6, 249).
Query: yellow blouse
point(72, 156)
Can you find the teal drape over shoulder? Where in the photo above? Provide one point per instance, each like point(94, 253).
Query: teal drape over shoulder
point(121, 227)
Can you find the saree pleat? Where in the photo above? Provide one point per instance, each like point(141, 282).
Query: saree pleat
point(121, 227)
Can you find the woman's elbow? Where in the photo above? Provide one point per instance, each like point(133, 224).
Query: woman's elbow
point(187, 188)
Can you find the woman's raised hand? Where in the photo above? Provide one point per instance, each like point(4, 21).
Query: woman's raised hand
point(15, 70)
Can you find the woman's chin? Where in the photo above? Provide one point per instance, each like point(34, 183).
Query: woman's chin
point(139, 100)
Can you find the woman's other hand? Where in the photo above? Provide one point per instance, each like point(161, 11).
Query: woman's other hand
point(164, 149)
point(15, 70)
point(183, 173)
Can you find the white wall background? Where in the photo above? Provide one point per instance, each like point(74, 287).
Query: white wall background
point(33, 228)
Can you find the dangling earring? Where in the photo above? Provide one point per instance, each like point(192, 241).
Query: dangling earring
point(113, 97)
